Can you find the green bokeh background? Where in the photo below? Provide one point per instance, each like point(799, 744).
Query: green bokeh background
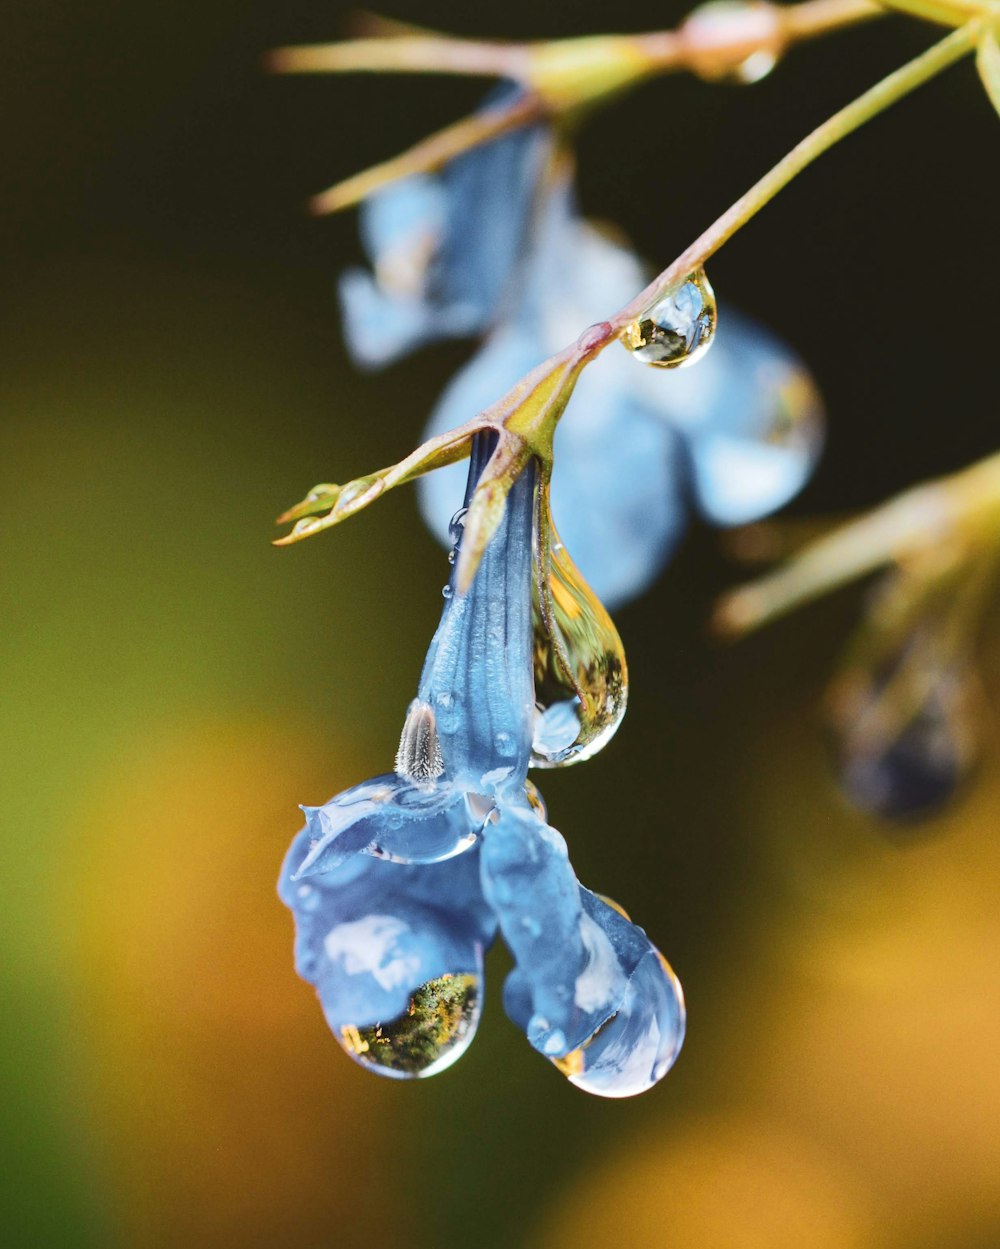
point(172, 377)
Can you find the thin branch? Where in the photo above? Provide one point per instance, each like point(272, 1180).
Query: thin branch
point(878, 98)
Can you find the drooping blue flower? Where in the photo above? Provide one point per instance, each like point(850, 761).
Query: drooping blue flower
point(398, 884)
point(902, 709)
point(739, 432)
point(443, 247)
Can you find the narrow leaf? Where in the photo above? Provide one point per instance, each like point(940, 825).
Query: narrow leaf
point(988, 64)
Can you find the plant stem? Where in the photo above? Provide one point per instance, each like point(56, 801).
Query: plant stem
point(898, 84)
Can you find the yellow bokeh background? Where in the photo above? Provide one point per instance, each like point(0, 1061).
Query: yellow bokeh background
point(172, 687)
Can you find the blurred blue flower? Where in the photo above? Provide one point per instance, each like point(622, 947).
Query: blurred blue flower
point(443, 247)
point(399, 884)
point(903, 710)
point(739, 432)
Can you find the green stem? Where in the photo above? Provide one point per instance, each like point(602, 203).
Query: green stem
point(945, 12)
point(898, 84)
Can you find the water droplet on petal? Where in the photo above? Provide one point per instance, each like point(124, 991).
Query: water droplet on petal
point(581, 678)
point(456, 526)
point(712, 30)
point(448, 712)
point(535, 800)
point(678, 329)
point(435, 1030)
point(638, 1045)
point(307, 897)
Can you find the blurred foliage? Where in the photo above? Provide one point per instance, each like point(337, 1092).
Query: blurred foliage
point(173, 686)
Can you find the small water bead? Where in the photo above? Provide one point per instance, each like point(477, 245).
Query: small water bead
point(449, 712)
point(581, 677)
point(456, 526)
point(678, 329)
point(307, 898)
point(435, 1030)
point(713, 30)
point(637, 1046)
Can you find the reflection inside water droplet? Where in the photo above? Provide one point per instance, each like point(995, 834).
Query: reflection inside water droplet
point(434, 1032)
point(581, 677)
point(637, 1046)
point(678, 329)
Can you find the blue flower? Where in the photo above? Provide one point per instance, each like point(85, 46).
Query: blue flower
point(443, 247)
point(399, 884)
point(739, 433)
point(903, 709)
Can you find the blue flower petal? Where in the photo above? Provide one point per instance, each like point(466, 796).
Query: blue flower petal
point(589, 989)
point(616, 487)
point(405, 218)
point(380, 941)
point(752, 418)
point(639, 1043)
point(444, 246)
point(528, 880)
point(616, 495)
point(380, 328)
point(388, 817)
point(477, 677)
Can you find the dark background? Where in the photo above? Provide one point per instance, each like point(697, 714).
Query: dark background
point(172, 377)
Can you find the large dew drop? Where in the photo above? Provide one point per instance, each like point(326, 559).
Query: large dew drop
point(637, 1046)
point(435, 1031)
point(678, 329)
point(581, 678)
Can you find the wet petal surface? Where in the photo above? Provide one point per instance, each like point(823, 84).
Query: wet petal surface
point(388, 817)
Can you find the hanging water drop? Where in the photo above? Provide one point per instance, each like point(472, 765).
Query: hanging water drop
point(678, 329)
point(435, 1030)
point(581, 677)
point(456, 526)
point(713, 32)
point(637, 1046)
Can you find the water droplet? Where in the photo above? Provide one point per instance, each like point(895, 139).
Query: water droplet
point(307, 898)
point(456, 526)
point(447, 591)
point(354, 490)
point(581, 678)
point(448, 712)
point(435, 1030)
point(678, 329)
point(505, 743)
point(713, 30)
point(638, 1045)
point(418, 757)
point(535, 800)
